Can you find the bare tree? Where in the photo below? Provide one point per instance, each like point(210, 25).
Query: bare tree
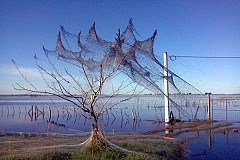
point(83, 69)
point(84, 77)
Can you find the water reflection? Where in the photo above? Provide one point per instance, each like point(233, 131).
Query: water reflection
point(40, 118)
point(215, 145)
point(210, 138)
point(220, 143)
point(137, 115)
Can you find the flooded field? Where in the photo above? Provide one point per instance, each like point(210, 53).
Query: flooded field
point(210, 145)
point(47, 114)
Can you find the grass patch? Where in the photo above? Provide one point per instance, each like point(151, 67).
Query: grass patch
point(107, 153)
point(45, 156)
point(158, 149)
point(15, 147)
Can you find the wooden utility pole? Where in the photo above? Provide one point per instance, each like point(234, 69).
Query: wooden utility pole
point(166, 89)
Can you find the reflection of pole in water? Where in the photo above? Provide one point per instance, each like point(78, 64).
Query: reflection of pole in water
point(127, 115)
point(48, 121)
point(2, 111)
point(43, 113)
point(13, 112)
point(107, 117)
point(133, 114)
point(49, 114)
point(7, 112)
point(36, 113)
point(139, 123)
point(121, 123)
point(127, 122)
point(30, 113)
point(69, 115)
point(58, 115)
point(25, 113)
point(210, 138)
point(133, 124)
point(63, 113)
point(113, 120)
point(75, 119)
point(121, 113)
point(19, 109)
point(113, 116)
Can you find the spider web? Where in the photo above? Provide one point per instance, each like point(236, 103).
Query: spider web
point(133, 57)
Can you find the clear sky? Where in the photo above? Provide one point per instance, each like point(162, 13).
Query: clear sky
point(185, 27)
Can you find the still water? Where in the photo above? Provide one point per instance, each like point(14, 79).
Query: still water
point(215, 146)
point(48, 114)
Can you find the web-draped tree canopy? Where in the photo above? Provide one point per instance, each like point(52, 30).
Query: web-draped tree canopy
point(127, 54)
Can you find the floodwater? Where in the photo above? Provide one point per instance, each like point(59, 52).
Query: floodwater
point(48, 114)
point(215, 146)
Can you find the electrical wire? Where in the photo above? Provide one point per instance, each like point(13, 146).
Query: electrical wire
point(173, 57)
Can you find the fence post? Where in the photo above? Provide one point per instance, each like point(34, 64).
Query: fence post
point(208, 105)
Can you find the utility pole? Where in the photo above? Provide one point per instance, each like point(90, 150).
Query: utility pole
point(166, 89)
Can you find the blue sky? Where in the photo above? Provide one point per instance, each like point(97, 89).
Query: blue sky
point(187, 27)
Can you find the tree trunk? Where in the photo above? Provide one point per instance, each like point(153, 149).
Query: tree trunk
point(96, 138)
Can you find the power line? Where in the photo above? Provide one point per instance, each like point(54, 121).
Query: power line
point(173, 57)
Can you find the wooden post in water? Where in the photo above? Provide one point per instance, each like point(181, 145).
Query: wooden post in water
point(208, 105)
point(166, 89)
